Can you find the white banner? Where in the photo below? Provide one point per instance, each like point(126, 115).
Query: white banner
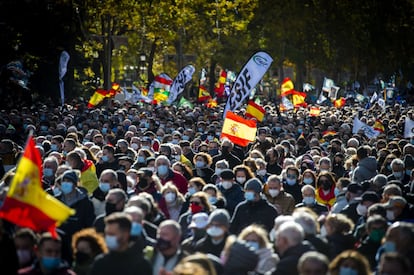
point(368, 131)
point(327, 85)
point(63, 63)
point(247, 79)
point(408, 128)
point(178, 85)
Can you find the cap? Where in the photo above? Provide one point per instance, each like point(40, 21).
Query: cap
point(220, 216)
point(395, 201)
point(70, 175)
point(369, 196)
point(254, 185)
point(227, 174)
point(354, 188)
point(199, 221)
point(146, 171)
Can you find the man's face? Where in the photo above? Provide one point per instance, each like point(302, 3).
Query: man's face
point(112, 229)
point(168, 234)
point(274, 185)
point(50, 248)
point(106, 177)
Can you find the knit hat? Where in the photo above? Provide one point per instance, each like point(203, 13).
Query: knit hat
point(220, 216)
point(254, 185)
point(70, 175)
point(241, 259)
point(227, 174)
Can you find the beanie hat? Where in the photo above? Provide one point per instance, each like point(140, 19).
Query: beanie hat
point(254, 185)
point(220, 216)
point(70, 175)
point(241, 259)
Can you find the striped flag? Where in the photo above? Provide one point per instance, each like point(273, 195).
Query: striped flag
point(160, 88)
point(239, 130)
point(219, 88)
point(254, 110)
point(203, 94)
point(27, 204)
point(298, 99)
point(378, 126)
point(314, 111)
point(100, 94)
point(340, 102)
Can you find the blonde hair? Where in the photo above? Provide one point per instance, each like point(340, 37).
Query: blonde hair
point(259, 231)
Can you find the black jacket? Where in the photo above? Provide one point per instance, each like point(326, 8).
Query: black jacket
point(288, 263)
point(339, 243)
point(206, 246)
point(247, 213)
point(233, 196)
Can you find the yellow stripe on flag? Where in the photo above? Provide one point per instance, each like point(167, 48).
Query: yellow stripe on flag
point(239, 130)
point(255, 110)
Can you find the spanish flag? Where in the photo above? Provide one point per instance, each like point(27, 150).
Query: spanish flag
point(97, 97)
point(254, 110)
point(340, 102)
point(27, 204)
point(379, 126)
point(298, 99)
point(328, 133)
point(287, 87)
point(219, 88)
point(239, 130)
point(203, 94)
point(314, 111)
point(212, 103)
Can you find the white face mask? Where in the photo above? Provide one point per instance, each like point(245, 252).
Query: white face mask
point(390, 215)
point(362, 210)
point(215, 231)
point(261, 172)
point(241, 180)
point(227, 184)
point(274, 192)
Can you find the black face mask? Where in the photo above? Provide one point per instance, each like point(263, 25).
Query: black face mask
point(163, 244)
point(225, 149)
point(82, 257)
point(143, 183)
point(110, 208)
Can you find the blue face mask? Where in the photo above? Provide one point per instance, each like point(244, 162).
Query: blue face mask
point(199, 164)
point(136, 229)
point(307, 180)
point(48, 172)
point(105, 158)
point(104, 131)
point(291, 181)
point(111, 242)
point(141, 159)
point(347, 271)
point(53, 147)
point(50, 263)
point(212, 200)
point(66, 187)
point(162, 169)
point(249, 196)
point(254, 245)
point(104, 186)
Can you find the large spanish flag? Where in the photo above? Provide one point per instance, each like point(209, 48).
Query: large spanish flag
point(27, 204)
point(97, 97)
point(286, 87)
point(254, 110)
point(298, 99)
point(239, 130)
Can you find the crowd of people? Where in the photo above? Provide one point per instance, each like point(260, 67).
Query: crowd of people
point(157, 191)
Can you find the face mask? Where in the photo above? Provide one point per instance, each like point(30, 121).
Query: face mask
point(390, 215)
point(162, 170)
point(200, 164)
point(104, 131)
point(82, 257)
point(397, 175)
point(362, 210)
point(191, 190)
point(170, 197)
point(254, 245)
point(56, 191)
point(110, 208)
point(145, 147)
point(308, 200)
point(218, 171)
point(53, 147)
point(262, 172)
point(163, 244)
point(241, 180)
point(408, 172)
point(184, 137)
point(175, 141)
point(195, 208)
point(376, 235)
point(337, 191)
point(249, 196)
point(389, 247)
point(104, 186)
point(141, 159)
point(212, 200)
point(307, 180)
point(50, 263)
point(274, 192)
point(215, 231)
point(227, 184)
point(291, 181)
point(136, 229)
point(24, 256)
point(213, 152)
point(111, 242)
point(66, 187)
point(48, 172)
point(105, 158)
point(347, 271)
point(134, 146)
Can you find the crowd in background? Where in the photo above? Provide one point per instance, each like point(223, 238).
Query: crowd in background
point(157, 191)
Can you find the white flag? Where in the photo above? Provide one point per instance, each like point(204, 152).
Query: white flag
point(247, 79)
point(63, 63)
point(178, 85)
point(327, 85)
point(408, 128)
point(368, 131)
point(374, 97)
point(321, 98)
point(137, 95)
